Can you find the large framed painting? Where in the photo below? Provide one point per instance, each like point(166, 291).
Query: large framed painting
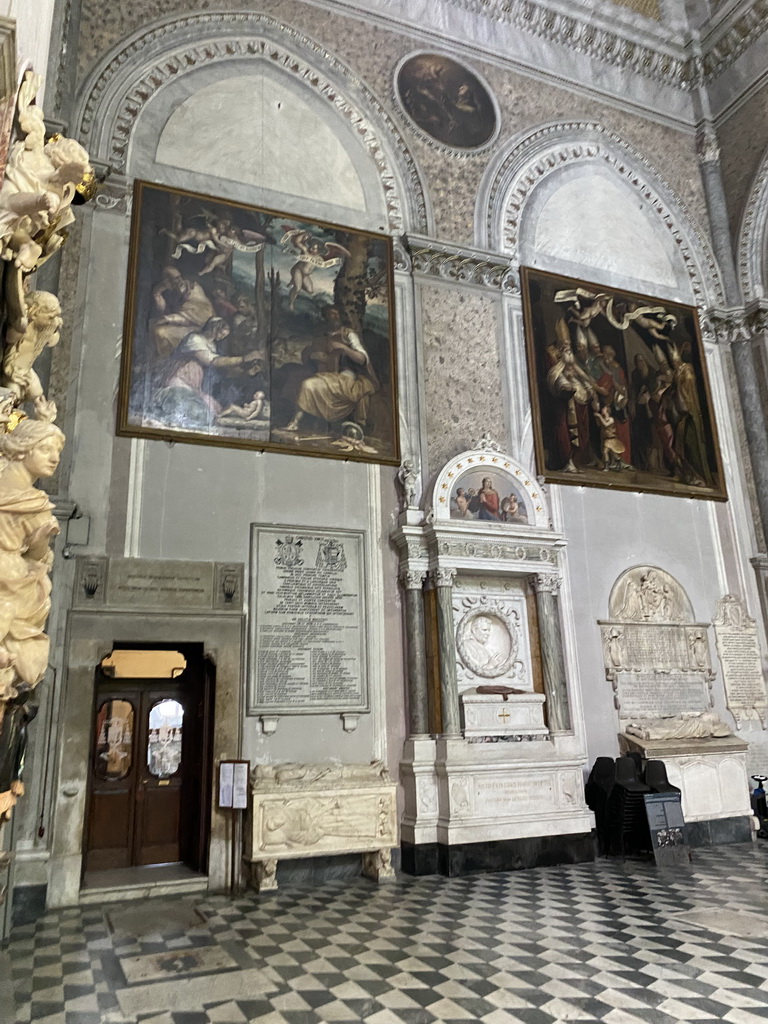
point(257, 329)
point(619, 389)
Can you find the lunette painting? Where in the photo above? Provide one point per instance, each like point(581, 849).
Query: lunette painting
point(619, 389)
point(251, 328)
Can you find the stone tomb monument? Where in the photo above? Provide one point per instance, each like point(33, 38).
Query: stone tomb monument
point(657, 658)
point(492, 769)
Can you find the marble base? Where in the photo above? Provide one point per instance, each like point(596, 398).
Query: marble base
point(503, 855)
point(719, 831)
point(711, 773)
point(458, 793)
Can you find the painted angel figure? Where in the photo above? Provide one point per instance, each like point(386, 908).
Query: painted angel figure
point(217, 237)
point(312, 252)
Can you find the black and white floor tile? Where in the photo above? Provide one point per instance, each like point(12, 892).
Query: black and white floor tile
point(623, 943)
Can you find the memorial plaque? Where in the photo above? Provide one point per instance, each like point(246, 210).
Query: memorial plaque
point(144, 582)
point(308, 651)
point(656, 695)
point(739, 653)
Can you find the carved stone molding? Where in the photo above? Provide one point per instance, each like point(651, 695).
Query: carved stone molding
point(120, 87)
point(584, 36)
point(555, 146)
point(661, 63)
point(707, 145)
point(723, 47)
point(463, 265)
point(753, 235)
point(480, 547)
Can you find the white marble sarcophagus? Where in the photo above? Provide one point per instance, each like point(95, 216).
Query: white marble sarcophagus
point(310, 810)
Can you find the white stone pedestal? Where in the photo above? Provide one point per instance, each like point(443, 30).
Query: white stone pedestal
point(711, 773)
point(489, 714)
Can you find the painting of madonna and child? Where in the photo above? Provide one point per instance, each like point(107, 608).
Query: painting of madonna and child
point(488, 497)
point(251, 328)
point(619, 389)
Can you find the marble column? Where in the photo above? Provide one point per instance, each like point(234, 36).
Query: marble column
point(449, 691)
point(418, 706)
point(552, 659)
point(735, 327)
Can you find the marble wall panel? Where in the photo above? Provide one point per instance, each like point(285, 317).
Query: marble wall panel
point(374, 51)
point(462, 371)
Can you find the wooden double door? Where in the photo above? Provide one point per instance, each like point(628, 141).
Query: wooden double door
point(150, 775)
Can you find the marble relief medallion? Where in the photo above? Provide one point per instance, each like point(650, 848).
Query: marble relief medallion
point(446, 102)
point(486, 645)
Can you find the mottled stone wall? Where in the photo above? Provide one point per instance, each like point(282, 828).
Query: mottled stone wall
point(743, 143)
point(374, 52)
point(462, 372)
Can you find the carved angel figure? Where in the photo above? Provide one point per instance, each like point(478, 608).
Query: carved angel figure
point(408, 478)
point(27, 525)
point(25, 340)
point(38, 188)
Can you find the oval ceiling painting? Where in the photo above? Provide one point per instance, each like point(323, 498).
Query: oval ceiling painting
point(446, 101)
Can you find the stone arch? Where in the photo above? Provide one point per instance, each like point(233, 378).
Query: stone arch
point(514, 176)
point(123, 83)
point(753, 237)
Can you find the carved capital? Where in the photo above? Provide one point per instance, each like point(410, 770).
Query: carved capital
point(546, 583)
point(443, 577)
point(411, 579)
point(735, 325)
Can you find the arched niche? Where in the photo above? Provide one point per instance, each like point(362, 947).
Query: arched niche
point(608, 203)
point(128, 99)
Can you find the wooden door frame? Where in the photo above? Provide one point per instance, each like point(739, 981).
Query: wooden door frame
point(206, 691)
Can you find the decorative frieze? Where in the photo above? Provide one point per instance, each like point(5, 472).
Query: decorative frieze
point(463, 265)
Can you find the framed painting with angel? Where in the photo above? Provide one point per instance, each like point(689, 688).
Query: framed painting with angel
point(257, 329)
point(619, 389)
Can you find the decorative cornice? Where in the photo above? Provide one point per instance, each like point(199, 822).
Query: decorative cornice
point(663, 62)
point(462, 265)
point(585, 37)
point(722, 47)
point(130, 76)
point(552, 147)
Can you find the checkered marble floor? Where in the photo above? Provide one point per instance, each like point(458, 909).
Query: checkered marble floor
point(597, 942)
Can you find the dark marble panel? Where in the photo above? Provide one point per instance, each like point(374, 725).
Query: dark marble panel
point(719, 831)
point(28, 904)
point(502, 855)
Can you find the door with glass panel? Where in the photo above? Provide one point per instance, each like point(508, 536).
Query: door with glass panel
point(145, 780)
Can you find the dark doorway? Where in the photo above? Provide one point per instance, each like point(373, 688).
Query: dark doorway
point(150, 768)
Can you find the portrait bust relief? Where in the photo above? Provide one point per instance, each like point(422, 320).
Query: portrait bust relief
point(485, 644)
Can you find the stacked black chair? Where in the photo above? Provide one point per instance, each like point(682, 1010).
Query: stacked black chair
point(597, 790)
point(656, 778)
point(626, 821)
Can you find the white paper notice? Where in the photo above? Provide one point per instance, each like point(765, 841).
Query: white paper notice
point(226, 780)
point(240, 786)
